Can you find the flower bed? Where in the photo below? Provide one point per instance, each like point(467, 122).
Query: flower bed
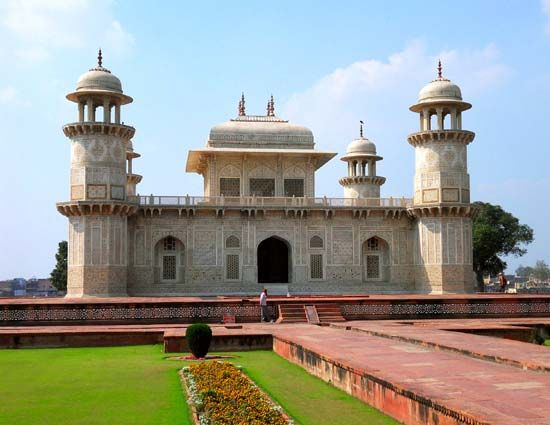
point(220, 394)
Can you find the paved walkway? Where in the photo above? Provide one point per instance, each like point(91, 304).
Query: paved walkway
point(493, 380)
point(487, 391)
point(446, 335)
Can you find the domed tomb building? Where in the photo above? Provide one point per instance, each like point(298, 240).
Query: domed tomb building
point(260, 222)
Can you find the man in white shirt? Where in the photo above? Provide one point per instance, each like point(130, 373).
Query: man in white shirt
point(263, 306)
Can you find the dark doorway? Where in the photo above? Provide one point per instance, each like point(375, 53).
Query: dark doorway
point(273, 257)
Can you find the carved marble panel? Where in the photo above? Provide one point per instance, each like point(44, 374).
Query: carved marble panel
point(97, 191)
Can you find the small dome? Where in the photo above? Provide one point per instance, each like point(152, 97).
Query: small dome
point(99, 79)
point(361, 146)
point(438, 90)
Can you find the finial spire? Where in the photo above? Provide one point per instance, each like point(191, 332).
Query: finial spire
point(361, 129)
point(271, 107)
point(99, 58)
point(242, 111)
point(439, 70)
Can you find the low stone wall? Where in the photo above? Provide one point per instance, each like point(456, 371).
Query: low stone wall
point(403, 405)
point(75, 339)
point(246, 310)
point(176, 342)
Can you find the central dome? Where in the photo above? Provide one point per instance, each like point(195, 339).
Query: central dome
point(253, 131)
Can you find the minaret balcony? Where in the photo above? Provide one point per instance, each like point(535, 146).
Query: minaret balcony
point(375, 180)
point(422, 137)
point(97, 127)
point(104, 207)
point(133, 178)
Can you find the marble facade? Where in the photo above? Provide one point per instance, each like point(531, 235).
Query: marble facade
point(258, 222)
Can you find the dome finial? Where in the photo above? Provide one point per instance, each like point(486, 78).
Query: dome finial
point(439, 71)
point(242, 111)
point(99, 58)
point(271, 107)
point(361, 129)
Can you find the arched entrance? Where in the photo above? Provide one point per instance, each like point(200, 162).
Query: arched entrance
point(273, 261)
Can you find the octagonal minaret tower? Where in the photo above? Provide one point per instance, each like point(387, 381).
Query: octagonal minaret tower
point(442, 190)
point(99, 203)
point(361, 181)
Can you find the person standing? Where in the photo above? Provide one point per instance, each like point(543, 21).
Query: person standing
point(502, 281)
point(263, 306)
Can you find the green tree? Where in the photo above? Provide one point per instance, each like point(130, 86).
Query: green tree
point(58, 276)
point(541, 270)
point(496, 233)
point(522, 271)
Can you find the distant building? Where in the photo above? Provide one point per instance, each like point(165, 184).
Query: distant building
point(40, 288)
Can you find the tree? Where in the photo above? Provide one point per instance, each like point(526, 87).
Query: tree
point(496, 233)
point(541, 271)
point(58, 276)
point(526, 271)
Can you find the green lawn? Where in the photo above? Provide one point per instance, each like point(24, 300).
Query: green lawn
point(138, 385)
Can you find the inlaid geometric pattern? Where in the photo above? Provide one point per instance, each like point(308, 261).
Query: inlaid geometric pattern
point(294, 187)
point(232, 242)
point(230, 187)
point(262, 187)
point(316, 266)
point(316, 242)
point(232, 265)
point(373, 266)
point(169, 267)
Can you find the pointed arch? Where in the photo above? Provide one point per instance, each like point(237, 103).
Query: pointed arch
point(274, 260)
point(375, 259)
point(169, 260)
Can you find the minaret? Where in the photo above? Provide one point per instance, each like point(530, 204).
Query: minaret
point(442, 190)
point(132, 179)
point(99, 205)
point(361, 181)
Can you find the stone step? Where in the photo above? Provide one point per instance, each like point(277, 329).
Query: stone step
point(292, 313)
point(329, 313)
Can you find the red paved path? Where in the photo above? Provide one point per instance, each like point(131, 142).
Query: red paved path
point(491, 392)
point(420, 357)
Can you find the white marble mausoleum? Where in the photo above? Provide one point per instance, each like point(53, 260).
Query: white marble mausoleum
point(260, 221)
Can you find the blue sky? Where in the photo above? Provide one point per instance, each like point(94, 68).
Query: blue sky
point(328, 64)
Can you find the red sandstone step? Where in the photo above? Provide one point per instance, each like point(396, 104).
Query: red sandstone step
point(292, 313)
point(329, 313)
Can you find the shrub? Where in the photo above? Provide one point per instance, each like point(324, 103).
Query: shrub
point(198, 338)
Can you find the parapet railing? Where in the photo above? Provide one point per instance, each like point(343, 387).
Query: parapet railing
point(260, 202)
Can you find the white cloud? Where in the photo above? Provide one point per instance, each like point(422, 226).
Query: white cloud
point(545, 4)
point(380, 92)
point(346, 92)
point(10, 96)
point(36, 28)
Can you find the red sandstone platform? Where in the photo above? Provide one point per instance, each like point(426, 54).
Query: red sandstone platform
point(420, 372)
point(427, 385)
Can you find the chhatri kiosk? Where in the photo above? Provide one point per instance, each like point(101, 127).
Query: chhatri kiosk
point(259, 221)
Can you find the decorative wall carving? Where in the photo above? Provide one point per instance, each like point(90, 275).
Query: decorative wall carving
point(97, 191)
point(342, 245)
point(204, 247)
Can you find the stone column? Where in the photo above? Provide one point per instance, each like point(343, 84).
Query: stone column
point(106, 111)
point(440, 118)
point(117, 113)
point(80, 111)
point(91, 110)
